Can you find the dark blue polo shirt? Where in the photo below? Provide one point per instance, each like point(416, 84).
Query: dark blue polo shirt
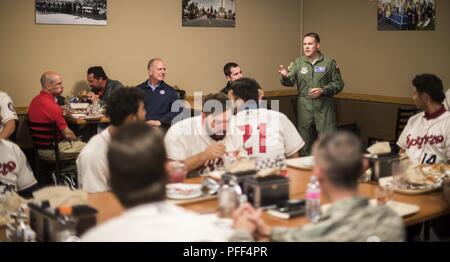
point(158, 103)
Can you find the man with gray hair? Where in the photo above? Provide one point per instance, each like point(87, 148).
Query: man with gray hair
point(159, 96)
point(339, 163)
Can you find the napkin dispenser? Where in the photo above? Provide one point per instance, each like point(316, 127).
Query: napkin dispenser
point(381, 164)
point(239, 177)
point(43, 220)
point(266, 191)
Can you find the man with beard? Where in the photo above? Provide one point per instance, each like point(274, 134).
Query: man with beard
point(203, 140)
point(426, 137)
point(232, 73)
point(101, 86)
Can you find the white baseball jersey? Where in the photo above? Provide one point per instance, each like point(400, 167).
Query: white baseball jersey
point(6, 109)
point(15, 173)
point(267, 134)
point(92, 164)
point(188, 138)
point(427, 141)
point(447, 99)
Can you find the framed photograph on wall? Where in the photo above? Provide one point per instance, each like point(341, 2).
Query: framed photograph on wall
point(71, 12)
point(406, 15)
point(208, 13)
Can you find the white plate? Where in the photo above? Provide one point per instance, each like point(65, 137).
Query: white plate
point(183, 191)
point(387, 182)
point(402, 209)
point(216, 175)
point(306, 162)
point(79, 105)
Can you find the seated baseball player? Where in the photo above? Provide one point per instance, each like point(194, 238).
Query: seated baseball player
point(15, 173)
point(426, 137)
point(267, 135)
point(124, 106)
point(137, 161)
point(8, 116)
point(203, 140)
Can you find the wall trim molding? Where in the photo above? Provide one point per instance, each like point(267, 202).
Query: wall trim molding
point(23, 110)
point(343, 95)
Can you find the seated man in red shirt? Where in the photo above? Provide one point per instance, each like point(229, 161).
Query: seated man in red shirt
point(44, 109)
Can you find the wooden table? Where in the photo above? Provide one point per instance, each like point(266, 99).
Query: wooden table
point(92, 125)
point(432, 205)
point(81, 121)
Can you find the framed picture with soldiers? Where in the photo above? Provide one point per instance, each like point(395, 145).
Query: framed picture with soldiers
point(208, 13)
point(71, 12)
point(406, 15)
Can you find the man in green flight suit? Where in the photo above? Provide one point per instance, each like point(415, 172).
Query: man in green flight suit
point(318, 79)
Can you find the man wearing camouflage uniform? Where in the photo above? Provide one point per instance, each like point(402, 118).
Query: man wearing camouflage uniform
point(350, 217)
point(318, 79)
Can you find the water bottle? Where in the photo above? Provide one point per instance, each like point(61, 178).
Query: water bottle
point(313, 200)
point(65, 230)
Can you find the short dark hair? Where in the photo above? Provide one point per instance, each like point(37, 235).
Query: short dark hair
point(431, 85)
point(339, 155)
point(246, 89)
point(221, 104)
point(122, 103)
point(313, 35)
point(136, 159)
point(227, 68)
point(98, 72)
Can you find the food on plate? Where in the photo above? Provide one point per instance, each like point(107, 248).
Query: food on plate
point(439, 168)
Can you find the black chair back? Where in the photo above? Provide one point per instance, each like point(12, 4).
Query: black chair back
point(44, 136)
point(403, 115)
point(181, 94)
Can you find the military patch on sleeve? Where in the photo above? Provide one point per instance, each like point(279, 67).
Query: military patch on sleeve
point(290, 66)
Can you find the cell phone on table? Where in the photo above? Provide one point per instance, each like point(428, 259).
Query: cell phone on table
point(289, 209)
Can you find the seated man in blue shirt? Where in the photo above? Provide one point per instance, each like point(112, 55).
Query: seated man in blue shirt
point(159, 96)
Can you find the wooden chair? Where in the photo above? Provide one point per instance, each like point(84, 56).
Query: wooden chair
point(403, 115)
point(181, 94)
point(45, 136)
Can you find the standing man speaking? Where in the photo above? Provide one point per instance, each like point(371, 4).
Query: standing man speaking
point(318, 79)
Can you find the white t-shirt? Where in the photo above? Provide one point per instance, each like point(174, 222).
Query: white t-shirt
point(15, 173)
point(6, 109)
point(427, 141)
point(92, 164)
point(268, 134)
point(159, 222)
point(188, 138)
point(447, 99)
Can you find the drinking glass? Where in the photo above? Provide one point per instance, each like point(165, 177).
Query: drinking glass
point(383, 195)
point(177, 172)
point(399, 173)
